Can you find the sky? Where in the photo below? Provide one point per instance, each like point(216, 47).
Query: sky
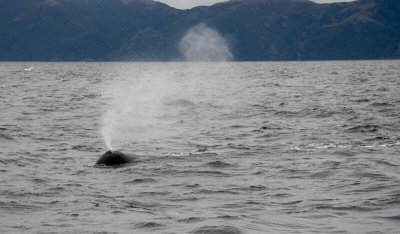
point(186, 4)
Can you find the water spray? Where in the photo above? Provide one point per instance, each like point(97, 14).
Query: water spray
point(107, 129)
point(141, 109)
point(202, 43)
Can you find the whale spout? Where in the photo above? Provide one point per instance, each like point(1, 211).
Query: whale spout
point(114, 158)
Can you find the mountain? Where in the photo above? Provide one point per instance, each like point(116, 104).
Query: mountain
point(77, 30)
point(304, 30)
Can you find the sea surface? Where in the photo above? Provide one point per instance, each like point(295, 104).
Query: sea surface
point(275, 147)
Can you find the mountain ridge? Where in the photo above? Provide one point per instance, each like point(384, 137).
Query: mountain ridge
point(145, 30)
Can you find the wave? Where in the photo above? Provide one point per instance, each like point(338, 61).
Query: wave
point(181, 103)
point(191, 220)
point(364, 128)
point(394, 217)
point(381, 104)
point(5, 137)
point(341, 148)
point(149, 225)
point(141, 181)
point(217, 230)
point(219, 164)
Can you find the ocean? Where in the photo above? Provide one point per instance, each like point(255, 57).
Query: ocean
point(252, 147)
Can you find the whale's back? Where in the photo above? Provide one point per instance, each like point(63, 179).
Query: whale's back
point(115, 158)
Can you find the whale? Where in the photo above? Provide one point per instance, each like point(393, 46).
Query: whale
point(114, 158)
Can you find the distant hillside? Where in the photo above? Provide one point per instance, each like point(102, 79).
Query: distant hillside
point(77, 30)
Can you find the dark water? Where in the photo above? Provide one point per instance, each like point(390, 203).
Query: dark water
point(309, 147)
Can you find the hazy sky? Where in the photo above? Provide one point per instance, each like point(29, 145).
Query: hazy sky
point(185, 4)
